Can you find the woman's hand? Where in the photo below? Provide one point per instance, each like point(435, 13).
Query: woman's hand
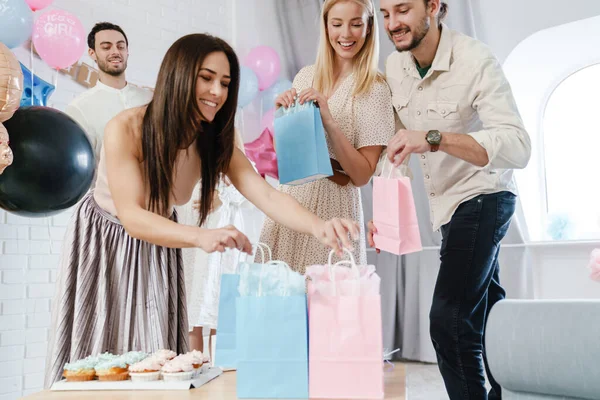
point(336, 231)
point(286, 98)
point(211, 240)
point(312, 94)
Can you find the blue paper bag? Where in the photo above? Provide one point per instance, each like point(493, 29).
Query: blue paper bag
point(272, 333)
point(225, 347)
point(226, 354)
point(300, 144)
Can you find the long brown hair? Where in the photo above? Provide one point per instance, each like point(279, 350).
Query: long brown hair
point(173, 121)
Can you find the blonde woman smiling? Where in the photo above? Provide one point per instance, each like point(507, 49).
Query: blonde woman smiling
point(356, 109)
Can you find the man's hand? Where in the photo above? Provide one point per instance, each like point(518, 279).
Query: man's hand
point(405, 143)
point(371, 231)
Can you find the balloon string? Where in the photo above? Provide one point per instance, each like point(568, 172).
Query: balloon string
point(50, 234)
point(261, 113)
point(31, 68)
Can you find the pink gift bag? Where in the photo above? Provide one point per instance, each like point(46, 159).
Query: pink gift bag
point(394, 215)
point(345, 332)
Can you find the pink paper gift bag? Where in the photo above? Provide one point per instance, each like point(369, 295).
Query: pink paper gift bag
point(345, 332)
point(395, 216)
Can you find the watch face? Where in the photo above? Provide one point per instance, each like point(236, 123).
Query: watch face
point(434, 137)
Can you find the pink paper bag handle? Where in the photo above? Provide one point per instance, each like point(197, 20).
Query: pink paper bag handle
point(383, 168)
point(349, 262)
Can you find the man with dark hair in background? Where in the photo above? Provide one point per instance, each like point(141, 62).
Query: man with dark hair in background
point(456, 110)
point(109, 48)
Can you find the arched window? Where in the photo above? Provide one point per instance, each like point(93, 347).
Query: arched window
point(571, 133)
point(555, 78)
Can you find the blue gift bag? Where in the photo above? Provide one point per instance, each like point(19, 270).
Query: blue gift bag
point(272, 336)
point(226, 354)
point(225, 348)
point(300, 144)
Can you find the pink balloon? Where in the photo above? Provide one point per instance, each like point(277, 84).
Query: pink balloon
point(264, 61)
point(37, 5)
point(262, 153)
point(59, 38)
point(268, 120)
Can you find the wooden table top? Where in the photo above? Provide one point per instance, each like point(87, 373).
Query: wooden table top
point(222, 388)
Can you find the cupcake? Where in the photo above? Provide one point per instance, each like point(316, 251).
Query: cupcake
point(104, 357)
point(80, 370)
point(112, 370)
point(196, 357)
point(134, 357)
point(164, 355)
point(146, 370)
point(180, 368)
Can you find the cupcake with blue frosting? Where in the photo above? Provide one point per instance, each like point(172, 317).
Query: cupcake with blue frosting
point(114, 369)
point(80, 370)
point(134, 357)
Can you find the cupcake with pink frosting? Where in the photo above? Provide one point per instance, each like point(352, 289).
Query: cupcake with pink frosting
point(146, 370)
point(196, 357)
point(164, 355)
point(199, 361)
point(181, 368)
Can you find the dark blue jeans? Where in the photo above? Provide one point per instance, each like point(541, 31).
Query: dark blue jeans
point(467, 287)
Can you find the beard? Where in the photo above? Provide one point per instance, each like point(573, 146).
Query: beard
point(418, 34)
point(106, 67)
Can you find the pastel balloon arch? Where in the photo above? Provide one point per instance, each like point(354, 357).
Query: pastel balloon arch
point(260, 82)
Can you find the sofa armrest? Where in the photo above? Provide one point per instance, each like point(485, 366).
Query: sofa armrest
point(549, 347)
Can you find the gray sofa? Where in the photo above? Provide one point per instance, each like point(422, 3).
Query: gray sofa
point(545, 349)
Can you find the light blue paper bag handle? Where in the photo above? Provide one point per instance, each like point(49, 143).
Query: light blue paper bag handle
point(294, 108)
point(270, 262)
point(259, 247)
point(351, 263)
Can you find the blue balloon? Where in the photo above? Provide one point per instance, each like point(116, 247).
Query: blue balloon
point(248, 86)
point(41, 92)
point(16, 22)
point(269, 95)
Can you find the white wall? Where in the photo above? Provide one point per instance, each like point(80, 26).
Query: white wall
point(560, 272)
point(504, 24)
point(29, 248)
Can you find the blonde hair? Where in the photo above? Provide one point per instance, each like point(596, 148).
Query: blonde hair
point(365, 62)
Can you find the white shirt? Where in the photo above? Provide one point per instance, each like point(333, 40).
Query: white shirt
point(95, 107)
point(465, 91)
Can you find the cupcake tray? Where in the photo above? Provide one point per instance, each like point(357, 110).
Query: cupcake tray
point(198, 381)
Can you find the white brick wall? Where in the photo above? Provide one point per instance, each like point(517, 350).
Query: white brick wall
point(30, 247)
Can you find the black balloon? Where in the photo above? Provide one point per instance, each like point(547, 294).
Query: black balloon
point(53, 163)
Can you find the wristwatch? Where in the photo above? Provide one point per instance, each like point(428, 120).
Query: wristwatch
point(434, 138)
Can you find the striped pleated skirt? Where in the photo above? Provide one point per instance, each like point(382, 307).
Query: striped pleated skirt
point(114, 293)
